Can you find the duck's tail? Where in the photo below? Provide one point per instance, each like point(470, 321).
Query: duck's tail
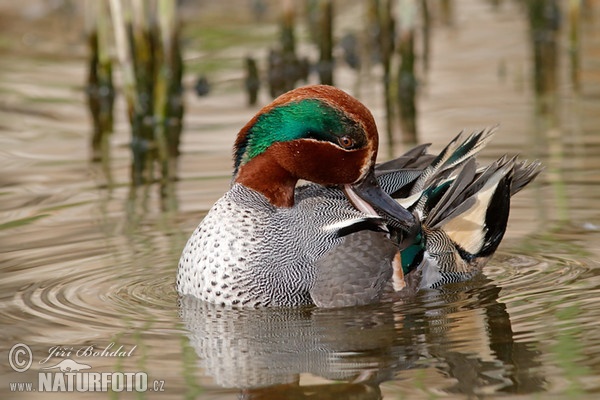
point(463, 209)
point(406, 177)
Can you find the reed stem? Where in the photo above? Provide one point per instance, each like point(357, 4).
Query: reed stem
point(147, 44)
point(407, 81)
point(326, 42)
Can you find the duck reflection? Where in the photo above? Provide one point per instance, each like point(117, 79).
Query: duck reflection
point(461, 331)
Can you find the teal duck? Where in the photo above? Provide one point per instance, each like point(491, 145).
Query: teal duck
point(354, 232)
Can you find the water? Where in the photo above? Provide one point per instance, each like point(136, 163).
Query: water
point(86, 261)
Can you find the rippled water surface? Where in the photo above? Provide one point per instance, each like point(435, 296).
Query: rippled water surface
point(87, 261)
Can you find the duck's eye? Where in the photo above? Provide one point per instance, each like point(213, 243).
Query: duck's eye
point(346, 142)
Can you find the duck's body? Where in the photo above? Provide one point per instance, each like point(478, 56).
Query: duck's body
point(337, 241)
point(248, 252)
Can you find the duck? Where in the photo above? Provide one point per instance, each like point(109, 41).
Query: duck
point(310, 218)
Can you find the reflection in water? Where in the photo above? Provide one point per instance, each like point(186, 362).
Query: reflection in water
point(463, 331)
point(544, 21)
point(100, 88)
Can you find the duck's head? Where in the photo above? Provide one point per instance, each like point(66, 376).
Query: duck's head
point(319, 134)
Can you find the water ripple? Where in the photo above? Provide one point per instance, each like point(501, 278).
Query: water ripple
point(539, 291)
point(493, 324)
point(522, 276)
point(102, 298)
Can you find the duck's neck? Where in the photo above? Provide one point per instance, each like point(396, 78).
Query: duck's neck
point(265, 175)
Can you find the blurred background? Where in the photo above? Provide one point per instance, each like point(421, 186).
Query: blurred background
point(117, 120)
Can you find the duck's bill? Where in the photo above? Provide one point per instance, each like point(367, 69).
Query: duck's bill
point(368, 197)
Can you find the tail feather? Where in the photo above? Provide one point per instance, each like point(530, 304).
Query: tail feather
point(524, 173)
point(435, 165)
point(479, 226)
point(463, 208)
point(438, 213)
point(453, 155)
point(496, 217)
point(483, 181)
point(472, 145)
